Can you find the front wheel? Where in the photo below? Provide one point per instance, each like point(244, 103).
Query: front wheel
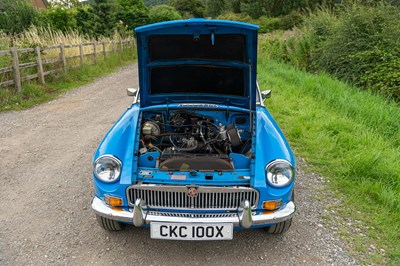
point(279, 228)
point(108, 224)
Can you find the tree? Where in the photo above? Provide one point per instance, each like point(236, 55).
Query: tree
point(133, 13)
point(104, 17)
point(155, 2)
point(84, 20)
point(163, 13)
point(18, 15)
point(188, 8)
point(214, 8)
point(232, 6)
point(255, 8)
point(64, 3)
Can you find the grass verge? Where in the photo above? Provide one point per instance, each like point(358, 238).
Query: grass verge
point(353, 138)
point(33, 93)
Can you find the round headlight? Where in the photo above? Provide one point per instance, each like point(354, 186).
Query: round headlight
point(279, 173)
point(107, 168)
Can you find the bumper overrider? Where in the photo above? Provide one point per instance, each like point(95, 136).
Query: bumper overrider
point(244, 217)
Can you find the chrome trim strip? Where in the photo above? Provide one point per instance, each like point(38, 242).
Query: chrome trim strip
point(102, 209)
point(259, 100)
point(239, 219)
point(176, 198)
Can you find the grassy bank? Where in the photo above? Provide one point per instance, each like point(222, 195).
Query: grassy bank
point(350, 136)
point(33, 93)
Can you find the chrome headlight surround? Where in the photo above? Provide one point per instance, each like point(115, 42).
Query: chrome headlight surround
point(107, 168)
point(279, 173)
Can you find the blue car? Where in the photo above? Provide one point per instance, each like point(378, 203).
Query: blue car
point(197, 154)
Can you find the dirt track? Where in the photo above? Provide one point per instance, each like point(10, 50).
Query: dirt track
point(46, 191)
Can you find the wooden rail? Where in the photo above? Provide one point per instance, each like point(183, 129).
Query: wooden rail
point(98, 48)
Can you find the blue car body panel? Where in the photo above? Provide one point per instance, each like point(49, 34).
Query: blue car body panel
point(268, 144)
point(120, 141)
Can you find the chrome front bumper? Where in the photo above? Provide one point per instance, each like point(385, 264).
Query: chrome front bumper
point(244, 216)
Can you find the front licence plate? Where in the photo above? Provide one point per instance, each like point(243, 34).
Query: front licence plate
point(182, 231)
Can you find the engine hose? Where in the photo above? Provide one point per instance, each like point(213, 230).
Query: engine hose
point(186, 149)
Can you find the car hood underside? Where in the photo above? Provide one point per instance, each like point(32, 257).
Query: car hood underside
point(198, 60)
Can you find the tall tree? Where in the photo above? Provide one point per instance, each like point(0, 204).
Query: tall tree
point(161, 13)
point(214, 8)
point(104, 18)
point(255, 8)
point(133, 13)
point(232, 6)
point(84, 19)
point(189, 8)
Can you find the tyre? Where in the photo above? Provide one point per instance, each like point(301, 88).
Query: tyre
point(108, 224)
point(279, 228)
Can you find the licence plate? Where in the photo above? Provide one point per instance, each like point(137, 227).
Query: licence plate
point(182, 231)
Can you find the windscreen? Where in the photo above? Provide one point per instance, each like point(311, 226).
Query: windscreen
point(197, 79)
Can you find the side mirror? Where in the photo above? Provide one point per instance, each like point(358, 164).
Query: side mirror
point(131, 92)
point(266, 94)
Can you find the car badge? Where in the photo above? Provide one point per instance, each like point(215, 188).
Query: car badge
point(192, 192)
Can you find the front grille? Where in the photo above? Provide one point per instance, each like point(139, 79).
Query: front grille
point(176, 197)
point(193, 215)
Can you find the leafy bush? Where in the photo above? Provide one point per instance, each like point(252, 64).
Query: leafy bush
point(295, 47)
point(287, 22)
point(268, 24)
point(356, 43)
point(379, 71)
point(294, 18)
point(363, 44)
point(163, 13)
point(236, 17)
point(58, 19)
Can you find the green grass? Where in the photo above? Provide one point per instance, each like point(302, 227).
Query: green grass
point(350, 136)
point(33, 93)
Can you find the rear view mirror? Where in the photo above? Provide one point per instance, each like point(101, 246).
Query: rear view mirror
point(266, 94)
point(131, 92)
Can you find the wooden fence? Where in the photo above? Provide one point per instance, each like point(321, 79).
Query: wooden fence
point(62, 59)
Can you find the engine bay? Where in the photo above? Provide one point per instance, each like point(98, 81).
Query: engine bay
point(200, 140)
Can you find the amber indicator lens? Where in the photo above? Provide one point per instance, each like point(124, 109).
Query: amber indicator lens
point(113, 201)
point(272, 205)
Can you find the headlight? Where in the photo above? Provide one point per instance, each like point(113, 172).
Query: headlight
point(107, 168)
point(279, 173)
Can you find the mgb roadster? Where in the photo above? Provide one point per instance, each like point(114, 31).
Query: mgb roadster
point(197, 154)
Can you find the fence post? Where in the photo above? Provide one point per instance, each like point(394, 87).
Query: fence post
point(94, 52)
point(104, 49)
point(15, 66)
point(81, 54)
point(113, 45)
point(39, 65)
point(63, 60)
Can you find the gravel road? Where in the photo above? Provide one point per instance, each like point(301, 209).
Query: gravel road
point(46, 191)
